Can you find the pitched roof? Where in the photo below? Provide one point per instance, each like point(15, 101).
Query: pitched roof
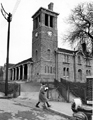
point(23, 62)
point(9, 65)
point(65, 50)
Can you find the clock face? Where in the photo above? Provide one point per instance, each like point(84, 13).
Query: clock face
point(36, 34)
point(49, 33)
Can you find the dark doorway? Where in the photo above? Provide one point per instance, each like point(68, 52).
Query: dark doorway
point(25, 71)
point(21, 72)
point(17, 73)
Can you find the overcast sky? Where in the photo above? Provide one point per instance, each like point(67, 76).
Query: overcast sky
point(22, 24)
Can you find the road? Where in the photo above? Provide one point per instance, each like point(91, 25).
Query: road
point(24, 109)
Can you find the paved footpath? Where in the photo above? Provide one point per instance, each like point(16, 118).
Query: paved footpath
point(61, 108)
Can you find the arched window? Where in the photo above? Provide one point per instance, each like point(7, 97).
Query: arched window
point(67, 72)
point(86, 72)
point(64, 70)
point(80, 74)
point(89, 72)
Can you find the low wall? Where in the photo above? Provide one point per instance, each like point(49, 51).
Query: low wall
point(13, 89)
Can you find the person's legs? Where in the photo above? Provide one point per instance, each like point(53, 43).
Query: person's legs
point(37, 104)
point(48, 104)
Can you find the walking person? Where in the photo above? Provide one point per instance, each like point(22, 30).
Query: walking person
point(42, 97)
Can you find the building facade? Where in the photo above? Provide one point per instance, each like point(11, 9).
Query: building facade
point(49, 62)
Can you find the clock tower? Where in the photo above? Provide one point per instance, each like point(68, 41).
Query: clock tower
point(44, 44)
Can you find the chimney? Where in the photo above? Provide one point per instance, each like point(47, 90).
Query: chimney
point(50, 6)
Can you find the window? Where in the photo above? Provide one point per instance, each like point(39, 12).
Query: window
point(37, 21)
point(50, 69)
point(45, 69)
point(54, 69)
point(80, 74)
point(87, 62)
point(79, 60)
point(66, 58)
point(46, 19)
point(48, 54)
point(64, 69)
point(68, 72)
point(39, 17)
point(51, 21)
point(88, 72)
point(36, 55)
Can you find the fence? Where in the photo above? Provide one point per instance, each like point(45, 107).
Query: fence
point(77, 89)
point(63, 90)
point(89, 88)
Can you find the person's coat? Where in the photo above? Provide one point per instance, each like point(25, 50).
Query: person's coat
point(42, 97)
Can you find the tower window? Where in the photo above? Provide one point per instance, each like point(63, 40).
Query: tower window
point(39, 18)
point(36, 55)
point(51, 21)
point(48, 53)
point(46, 19)
point(37, 21)
point(50, 69)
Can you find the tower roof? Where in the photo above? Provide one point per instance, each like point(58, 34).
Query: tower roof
point(46, 10)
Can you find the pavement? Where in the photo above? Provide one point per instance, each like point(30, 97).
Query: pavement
point(60, 108)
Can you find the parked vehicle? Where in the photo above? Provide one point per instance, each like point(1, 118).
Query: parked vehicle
point(81, 112)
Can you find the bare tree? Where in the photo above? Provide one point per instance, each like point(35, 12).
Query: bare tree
point(81, 31)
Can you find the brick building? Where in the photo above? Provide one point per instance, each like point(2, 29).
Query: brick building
point(49, 62)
